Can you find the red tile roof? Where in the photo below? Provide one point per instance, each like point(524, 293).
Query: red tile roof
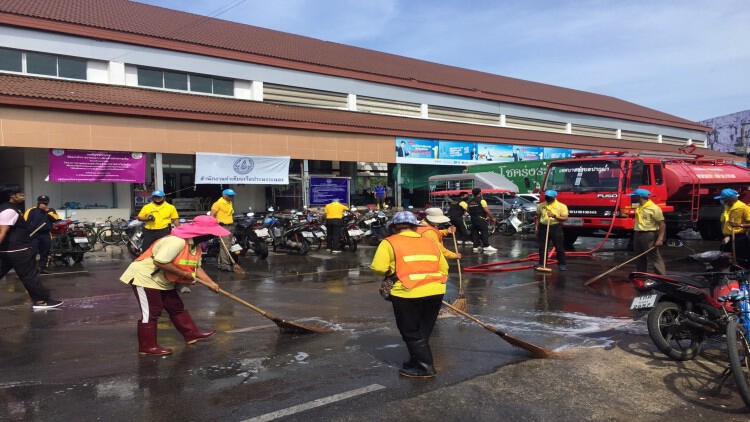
point(34, 92)
point(127, 21)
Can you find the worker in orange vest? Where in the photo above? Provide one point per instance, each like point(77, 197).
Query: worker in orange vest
point(429, 228)
point(418, 272)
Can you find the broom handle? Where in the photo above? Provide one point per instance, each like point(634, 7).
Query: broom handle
point(236, 266)
point(734, 249)
point(546, 243)
point(591, 280)
point(231, 296)
point(458, 260)
point(464, 314)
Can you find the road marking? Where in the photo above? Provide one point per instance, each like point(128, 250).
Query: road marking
point(259, 327)
point(315, 403)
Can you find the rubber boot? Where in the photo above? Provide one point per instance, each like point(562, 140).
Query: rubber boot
point(147, 340)
point(186, 326)
point(422, 361)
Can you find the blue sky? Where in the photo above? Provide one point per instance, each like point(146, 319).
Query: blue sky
point(689, 58)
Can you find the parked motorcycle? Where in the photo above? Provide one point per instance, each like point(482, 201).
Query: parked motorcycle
point(514, 223)
point(286, 235)
point(245, 235)
point(374, 225)
point(133, 237)
point(683, 309)
point(69, 242)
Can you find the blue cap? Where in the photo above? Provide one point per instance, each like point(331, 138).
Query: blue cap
point(551, 193)
point(405, 217)
point(157, 193)
point(643, 193)
point(228, 192)
point(727, 194)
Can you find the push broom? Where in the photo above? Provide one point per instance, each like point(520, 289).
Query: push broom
point(460, 302)
point(235, 266)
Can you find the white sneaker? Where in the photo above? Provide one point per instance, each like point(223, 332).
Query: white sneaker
point(490, 249)
point(477, 249)
point(468, 242)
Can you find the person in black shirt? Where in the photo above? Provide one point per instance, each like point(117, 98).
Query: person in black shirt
point(15, 246)
point(40, 221)
point(456, 211)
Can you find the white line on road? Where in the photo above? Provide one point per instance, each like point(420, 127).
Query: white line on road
point(315, 403)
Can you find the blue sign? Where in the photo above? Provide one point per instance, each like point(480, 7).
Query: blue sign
point(323, 190)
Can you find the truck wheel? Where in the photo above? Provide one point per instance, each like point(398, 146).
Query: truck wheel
point(709, 229)
point(569, 238)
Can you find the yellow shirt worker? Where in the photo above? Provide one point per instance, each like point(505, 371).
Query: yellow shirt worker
point(551, 214)
point(222, 209)
point(736, 215)
point(650, 230)
point(334, 225)
point(163, 213)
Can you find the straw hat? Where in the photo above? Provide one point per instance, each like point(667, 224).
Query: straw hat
point(202, 225)
point(435, 215)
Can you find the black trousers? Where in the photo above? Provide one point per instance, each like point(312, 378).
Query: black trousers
point(41, 243)
point(480, 232)
point(333, 227)
point(24, 263)
point(555, 239)
point(151, 236)
point(462, 232)
point(741, 246)
point(415, 318)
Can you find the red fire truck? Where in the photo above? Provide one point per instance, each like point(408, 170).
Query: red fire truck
point(594, 186)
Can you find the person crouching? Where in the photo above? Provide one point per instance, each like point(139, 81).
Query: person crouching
point(171, 260)
point(419, 271)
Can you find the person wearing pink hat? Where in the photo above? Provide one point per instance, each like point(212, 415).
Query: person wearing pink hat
point(173, 259)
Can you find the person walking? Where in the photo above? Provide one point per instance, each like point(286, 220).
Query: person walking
point(735, 218)
point(223, 211)
point(171, 260)
point(334, 214)
point(555, 213)
point(480, 215)
point(430, 229)
point(456, 211)
point(15, 246)
point(158, 215)
point(649, 231)
point(418, 271)
point(40, 220)
point(380, 194)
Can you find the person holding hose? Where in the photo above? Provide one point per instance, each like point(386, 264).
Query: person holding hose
point(552, 213)
point(735, 218)
point(418, 271)
point(173, 259)
point(649, 231)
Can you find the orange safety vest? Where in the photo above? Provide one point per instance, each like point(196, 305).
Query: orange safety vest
point(185, 261)
point(423, 229)
point(417, 260)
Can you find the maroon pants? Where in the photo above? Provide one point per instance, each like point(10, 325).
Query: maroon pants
point(153, 301)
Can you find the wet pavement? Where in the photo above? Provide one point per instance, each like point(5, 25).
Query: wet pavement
point(80, 361)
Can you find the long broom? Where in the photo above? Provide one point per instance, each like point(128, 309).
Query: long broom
point(593, 279)
point(543, 268)
point(284, 325)
point(460, 302)
point(235, 266)
point(537, 351)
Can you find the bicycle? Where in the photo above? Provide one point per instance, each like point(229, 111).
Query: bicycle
point(108, 233)
point(738, 336)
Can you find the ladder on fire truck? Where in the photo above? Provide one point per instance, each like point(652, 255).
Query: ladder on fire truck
point(695, 190)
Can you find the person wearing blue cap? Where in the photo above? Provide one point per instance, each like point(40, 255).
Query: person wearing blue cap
point(649, 231)
point(734, 221)
point(415, 273)
point(223, 210)
point(552, 213)
point(158, 215)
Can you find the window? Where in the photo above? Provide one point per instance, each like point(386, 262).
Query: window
point(71, 68)
point(180, 81)
point(63, 67)
point(11, 60)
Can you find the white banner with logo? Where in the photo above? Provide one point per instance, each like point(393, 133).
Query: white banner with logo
point(227, 169)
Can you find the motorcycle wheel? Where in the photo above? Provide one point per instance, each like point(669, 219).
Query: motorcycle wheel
point(78, 255)
point(506, 229)
point(739, 357)
point(261, 250)
point(315, 244)
point(304, 246)
point(352, 245)
point(372, 240)
point(669, 336)
point(491, 228)
point(134, 251)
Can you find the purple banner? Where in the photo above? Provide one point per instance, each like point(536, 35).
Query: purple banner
point(69, 165)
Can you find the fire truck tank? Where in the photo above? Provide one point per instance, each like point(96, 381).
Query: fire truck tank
point(680, 177)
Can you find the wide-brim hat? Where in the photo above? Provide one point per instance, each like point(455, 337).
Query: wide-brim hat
point(435, 215)
point(201, 225)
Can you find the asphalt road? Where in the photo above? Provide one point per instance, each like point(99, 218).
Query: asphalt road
point(80, 361)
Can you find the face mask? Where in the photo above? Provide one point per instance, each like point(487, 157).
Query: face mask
point(723, 201)
point(549, 200)
point(200, 239)
point(158, 201)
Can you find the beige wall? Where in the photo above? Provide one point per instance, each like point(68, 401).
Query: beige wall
point(55, 129)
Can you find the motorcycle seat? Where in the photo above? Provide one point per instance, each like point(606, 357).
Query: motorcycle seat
point(691, 280)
